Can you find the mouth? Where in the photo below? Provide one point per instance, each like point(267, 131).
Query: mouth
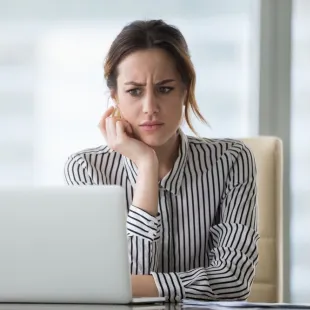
point(151, 126)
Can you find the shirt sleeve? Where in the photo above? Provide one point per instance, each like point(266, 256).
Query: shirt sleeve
point(234, 253)
point(75, 171)
point(143, 232)
point(143, 229)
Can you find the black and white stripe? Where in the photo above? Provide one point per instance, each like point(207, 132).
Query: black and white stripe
point(203, 243)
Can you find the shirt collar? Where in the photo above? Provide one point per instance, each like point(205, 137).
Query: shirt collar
point(173, 180)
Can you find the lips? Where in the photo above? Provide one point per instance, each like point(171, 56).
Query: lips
point(151, 124)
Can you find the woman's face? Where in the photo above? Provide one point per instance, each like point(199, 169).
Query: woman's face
point(149, 89)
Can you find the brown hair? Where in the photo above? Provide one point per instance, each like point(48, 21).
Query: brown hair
point(154, 34)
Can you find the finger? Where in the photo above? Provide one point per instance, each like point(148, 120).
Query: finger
point(107, 113)
point(102, 127)
point(110, 129)
point(128, 128)
point(120, 130)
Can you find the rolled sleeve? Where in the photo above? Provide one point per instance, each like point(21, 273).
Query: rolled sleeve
point(142, 224)
point(144, 235)
point(169, 286)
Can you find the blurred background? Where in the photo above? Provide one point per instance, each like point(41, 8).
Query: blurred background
point(52, 91)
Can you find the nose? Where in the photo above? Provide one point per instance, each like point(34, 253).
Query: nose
point(150, 104)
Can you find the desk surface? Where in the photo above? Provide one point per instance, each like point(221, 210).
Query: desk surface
point(109, 307)
point(91, 307)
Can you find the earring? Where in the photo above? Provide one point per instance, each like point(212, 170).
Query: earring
point(116, 112)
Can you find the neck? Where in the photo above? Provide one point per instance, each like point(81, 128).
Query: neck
point(167, 154)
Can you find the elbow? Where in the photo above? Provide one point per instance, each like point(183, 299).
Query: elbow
point(243, 277)
point(239, 288)
point(243, 285)
point(244, 295)
point(237, 292)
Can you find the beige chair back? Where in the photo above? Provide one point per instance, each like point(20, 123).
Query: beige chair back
point(268, 282)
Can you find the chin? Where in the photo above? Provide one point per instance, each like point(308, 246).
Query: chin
point(156, 140)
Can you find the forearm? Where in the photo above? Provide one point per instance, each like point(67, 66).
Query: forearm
point(143, 221)
point(143, 255)
point(146, 189)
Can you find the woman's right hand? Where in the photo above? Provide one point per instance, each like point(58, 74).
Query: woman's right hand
point(118, 135)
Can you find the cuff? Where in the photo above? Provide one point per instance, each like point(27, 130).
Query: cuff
point(142, 224)
point(169, 286)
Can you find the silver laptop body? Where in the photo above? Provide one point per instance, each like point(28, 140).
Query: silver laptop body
point(64, 245)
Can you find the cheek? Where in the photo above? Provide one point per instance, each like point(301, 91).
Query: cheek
point(129, 112)
point(176, 106)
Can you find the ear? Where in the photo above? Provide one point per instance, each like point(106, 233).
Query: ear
point(113, 95)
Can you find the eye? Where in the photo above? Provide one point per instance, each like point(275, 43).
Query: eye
point(165, 89)
point(135, 92)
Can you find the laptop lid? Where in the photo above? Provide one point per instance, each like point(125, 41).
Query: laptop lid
point(64, 245)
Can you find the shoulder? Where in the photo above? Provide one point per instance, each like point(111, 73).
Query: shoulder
point(85, 166)
point(89, 155)
point(226, 149)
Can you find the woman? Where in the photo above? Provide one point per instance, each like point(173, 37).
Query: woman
point(192, 223)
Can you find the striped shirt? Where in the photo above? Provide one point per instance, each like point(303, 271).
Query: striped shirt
point(203, 243)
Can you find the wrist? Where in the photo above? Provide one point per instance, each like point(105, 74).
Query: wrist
point(148, 162)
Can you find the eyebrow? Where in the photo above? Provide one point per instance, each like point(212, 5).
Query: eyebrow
point(141, 84)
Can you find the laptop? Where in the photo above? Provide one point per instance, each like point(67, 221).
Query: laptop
point(65, 245)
